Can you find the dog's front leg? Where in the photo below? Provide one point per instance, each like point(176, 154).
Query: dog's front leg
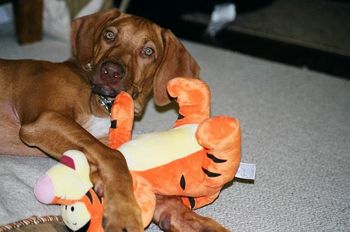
point(53, 133)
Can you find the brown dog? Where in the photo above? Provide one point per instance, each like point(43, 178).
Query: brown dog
point(54, 107)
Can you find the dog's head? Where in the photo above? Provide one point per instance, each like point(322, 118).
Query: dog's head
point(122, 52)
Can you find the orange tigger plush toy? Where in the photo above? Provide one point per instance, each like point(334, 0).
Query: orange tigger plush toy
point(193, 160)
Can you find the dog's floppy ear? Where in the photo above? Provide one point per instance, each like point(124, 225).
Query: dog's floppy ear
point(176, 62)
point(84, 31)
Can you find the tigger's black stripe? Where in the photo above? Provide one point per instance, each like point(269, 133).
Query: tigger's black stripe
point(210, 174)
point(88, 194)
point(180, 117)
point(114, 124)
point(192, 202)
point(90, 197)
point(183, 182)
point(216, 160)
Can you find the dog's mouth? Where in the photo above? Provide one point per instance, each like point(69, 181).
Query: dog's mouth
point(104, 90)
point(110, 78)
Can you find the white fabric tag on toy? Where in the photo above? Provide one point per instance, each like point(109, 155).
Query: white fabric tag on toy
point(246, 171)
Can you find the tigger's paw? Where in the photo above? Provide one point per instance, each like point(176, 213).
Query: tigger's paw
point(219, 133)
point(123, 108)
point(193, 97)
point(221, 138)
point(122, 117)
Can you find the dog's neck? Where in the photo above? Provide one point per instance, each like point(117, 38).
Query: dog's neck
point(105, 102)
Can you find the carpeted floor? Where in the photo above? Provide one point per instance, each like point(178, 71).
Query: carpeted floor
point(296, 129)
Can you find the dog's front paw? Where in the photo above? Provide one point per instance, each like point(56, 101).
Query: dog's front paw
point(121, 211)
point(123, 217)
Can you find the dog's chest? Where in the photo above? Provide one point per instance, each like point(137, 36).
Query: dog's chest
point(97, 126)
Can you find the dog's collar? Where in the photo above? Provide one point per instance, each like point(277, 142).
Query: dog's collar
point(105, 102)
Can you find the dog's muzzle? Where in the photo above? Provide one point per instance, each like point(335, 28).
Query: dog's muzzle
point(112, 72)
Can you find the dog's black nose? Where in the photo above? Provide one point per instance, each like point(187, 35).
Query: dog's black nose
point(112, 71)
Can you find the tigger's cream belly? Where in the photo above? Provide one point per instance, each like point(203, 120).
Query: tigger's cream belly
point(159, 148)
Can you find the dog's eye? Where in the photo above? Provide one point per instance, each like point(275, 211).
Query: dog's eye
point(147, 51)
point(110, 35)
